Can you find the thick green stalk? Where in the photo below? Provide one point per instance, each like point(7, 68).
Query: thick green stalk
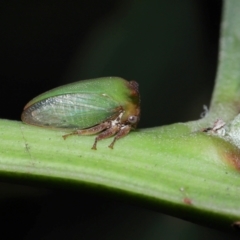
point(225, 102)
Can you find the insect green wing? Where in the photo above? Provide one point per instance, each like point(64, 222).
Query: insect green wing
point(114, 87)
point(79, 105)
point(71, 111)
point(104, 106)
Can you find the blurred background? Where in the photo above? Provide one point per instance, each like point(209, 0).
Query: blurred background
point(168, 47)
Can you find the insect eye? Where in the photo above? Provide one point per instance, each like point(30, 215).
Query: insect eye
point(133, 119)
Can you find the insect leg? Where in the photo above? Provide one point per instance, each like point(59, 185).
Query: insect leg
point(123, 132)
point(89, 131)
point(107, 133)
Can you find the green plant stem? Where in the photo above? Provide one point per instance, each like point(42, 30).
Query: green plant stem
point(225, 102)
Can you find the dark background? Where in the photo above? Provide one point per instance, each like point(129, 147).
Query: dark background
point(169, 47)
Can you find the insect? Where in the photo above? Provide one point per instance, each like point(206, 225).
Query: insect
point(105, 106)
